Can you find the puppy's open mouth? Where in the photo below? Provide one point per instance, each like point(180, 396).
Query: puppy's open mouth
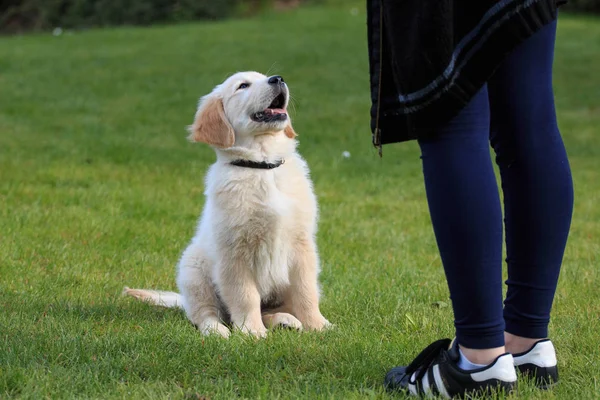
point(275, 111)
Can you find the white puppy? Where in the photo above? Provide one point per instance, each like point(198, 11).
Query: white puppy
point(253, 262)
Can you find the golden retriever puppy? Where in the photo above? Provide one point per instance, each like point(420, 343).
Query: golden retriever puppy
point(253, 263)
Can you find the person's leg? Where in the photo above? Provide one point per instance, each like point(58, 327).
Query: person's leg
point(466, 213)
point(537, 185)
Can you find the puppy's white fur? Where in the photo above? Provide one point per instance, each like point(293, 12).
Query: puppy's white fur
point(253, 261)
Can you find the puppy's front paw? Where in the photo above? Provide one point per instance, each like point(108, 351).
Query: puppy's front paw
point(259, 332)
point(215, 328)
point(317, 323)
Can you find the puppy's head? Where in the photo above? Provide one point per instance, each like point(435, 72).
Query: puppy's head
point(247, 104)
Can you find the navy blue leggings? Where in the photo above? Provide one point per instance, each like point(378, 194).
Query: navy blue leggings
point(514, 112)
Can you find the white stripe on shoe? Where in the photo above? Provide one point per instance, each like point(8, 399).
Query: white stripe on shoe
point(413, 389)
point(425, 386)
point(439, 383)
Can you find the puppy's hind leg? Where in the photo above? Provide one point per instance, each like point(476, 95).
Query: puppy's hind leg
point(276, 314)
point(281, 320)
point(200, 300)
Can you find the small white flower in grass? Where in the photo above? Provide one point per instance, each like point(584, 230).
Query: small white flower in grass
point(354, 11)
point(346, 154)
point(57, 31)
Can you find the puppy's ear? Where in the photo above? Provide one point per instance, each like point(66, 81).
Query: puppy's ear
point(211, 126)
point(289, 131)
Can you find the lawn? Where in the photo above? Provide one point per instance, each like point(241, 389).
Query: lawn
point(99, 189)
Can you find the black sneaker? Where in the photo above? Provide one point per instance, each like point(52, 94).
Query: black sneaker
point(435, 372)
point(539, 363)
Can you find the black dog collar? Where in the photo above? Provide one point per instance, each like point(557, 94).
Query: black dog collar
point(256, 164)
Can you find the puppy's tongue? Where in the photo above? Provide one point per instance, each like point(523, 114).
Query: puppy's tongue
point(273, 111)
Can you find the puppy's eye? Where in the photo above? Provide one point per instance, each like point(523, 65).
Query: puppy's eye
point(244, 86)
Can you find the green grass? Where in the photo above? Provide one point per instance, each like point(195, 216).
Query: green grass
point(99, 189)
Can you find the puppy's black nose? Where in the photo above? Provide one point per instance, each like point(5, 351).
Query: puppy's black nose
point(276, 80)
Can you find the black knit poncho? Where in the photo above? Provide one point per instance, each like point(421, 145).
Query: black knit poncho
point(429, 57)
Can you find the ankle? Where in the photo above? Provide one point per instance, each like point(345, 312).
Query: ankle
point(482, 356)
point(519, 344)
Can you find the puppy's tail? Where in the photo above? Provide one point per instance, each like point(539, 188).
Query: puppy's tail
point(156, 297)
